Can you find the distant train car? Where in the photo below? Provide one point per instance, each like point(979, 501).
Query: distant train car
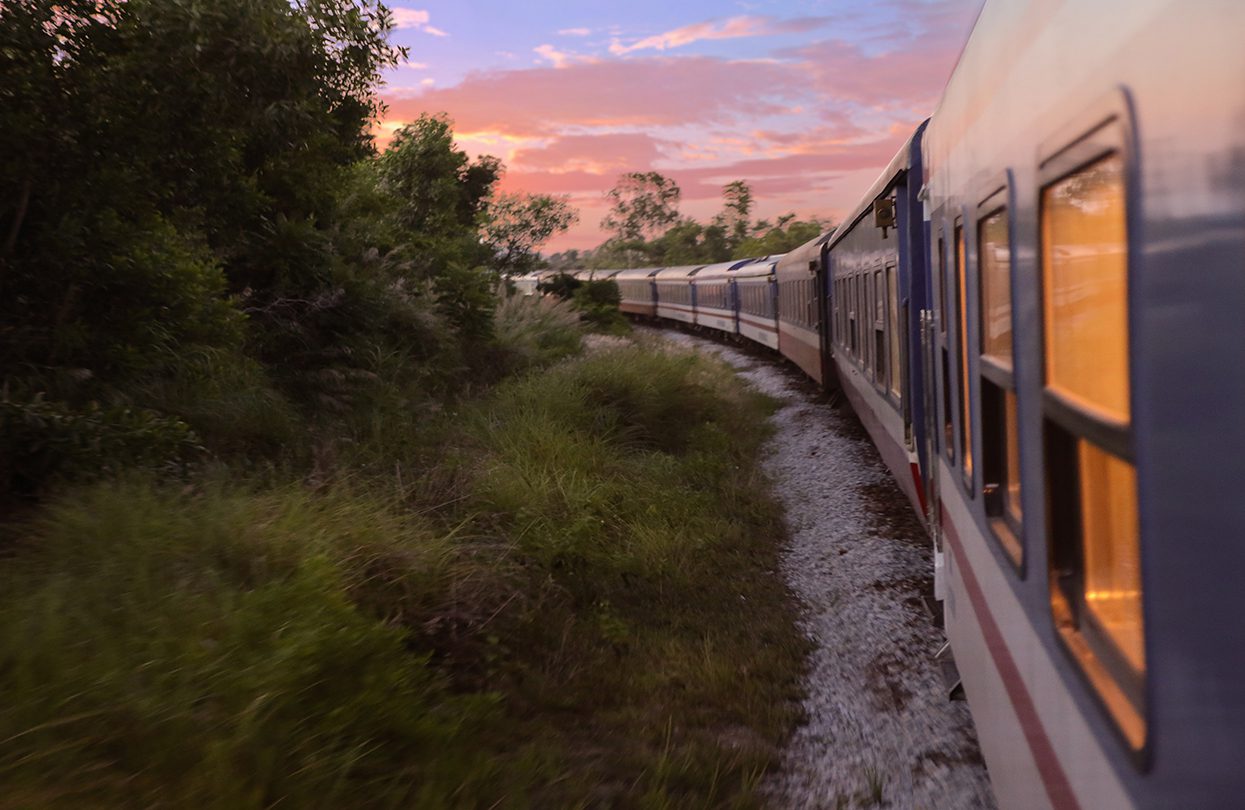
point(593, 275)
point(526, 283)
point(756, 300)
point(715, 297)
point(800, 282)
point(637, 291)
point(675, 299)
point(876, 277)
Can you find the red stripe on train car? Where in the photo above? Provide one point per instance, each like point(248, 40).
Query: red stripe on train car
point(920, 487)
point(1058, 788)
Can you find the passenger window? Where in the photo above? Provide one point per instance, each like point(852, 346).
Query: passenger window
point(1095, 532)
point(961, 352)
point(1000, 434)
point(852, 316)
point(892, 308)
point(879, 329)
point(948, 431)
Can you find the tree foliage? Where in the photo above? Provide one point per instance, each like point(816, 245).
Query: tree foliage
point(194, 221)
point(152, 148)
point(788, 234)
point(440, 191)
point(735, 218)
point(517, 225)
point(642, 204)
point(731, 234)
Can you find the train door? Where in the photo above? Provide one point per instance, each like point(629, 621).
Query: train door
point(825, 314)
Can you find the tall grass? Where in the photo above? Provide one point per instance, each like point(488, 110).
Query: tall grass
point(535, 330)
point(575, 607)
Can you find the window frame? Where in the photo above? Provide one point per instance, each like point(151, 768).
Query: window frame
point(1106, 130)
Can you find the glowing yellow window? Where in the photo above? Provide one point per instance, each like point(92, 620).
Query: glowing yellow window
point(1086, 303)
point(1112, 555)
point(961, 292)
point(1094, 512)
point(1000, 428)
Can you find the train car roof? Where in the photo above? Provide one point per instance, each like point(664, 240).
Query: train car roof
point(601, 275)
point(758, 267)
point(636, 272)
point(685, 271)
point(721, 269)
point(797, 261)
point(900, 163)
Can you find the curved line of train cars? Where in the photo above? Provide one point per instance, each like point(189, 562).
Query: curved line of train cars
point(1038, 313)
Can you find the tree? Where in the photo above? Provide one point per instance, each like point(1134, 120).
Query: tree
point(517, 225)
point(736, 211)
point(440, 192)
point(643, 203)
point(788, 234)
point(689, 242)
point(138, 132)
point(568, 260)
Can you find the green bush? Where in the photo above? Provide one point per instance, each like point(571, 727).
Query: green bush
point(598, 302)
point(42, 443)
point(561, 285)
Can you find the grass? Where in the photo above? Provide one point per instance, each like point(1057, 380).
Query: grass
point(576, 607)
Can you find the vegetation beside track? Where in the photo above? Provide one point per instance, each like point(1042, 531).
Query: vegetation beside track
point(560, 594)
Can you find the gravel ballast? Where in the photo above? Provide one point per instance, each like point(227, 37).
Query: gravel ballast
point(879, 729)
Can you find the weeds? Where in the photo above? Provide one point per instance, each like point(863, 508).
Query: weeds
point(574, 606)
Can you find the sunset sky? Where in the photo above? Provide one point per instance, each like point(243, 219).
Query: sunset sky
point(806, 100)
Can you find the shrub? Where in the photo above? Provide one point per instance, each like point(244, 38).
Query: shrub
point(562, 285)
point(598, 302)
point(44, 442)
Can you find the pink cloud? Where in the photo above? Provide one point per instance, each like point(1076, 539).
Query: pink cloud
point(650, 92)
point(734, 28)
point(606, 153)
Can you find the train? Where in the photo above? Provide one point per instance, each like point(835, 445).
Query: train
point(1038, 313)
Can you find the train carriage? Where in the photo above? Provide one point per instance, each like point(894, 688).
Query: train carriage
point(593, 275)
point(799, 279)
point(716, 306)
point(675, 294)
point(876, 290)
point(637, 291)
point(756, 297)
point(526, 284)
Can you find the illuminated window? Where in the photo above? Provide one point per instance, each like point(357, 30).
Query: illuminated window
point(1000, 434)
point(1095, 533)
point(961, 352)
